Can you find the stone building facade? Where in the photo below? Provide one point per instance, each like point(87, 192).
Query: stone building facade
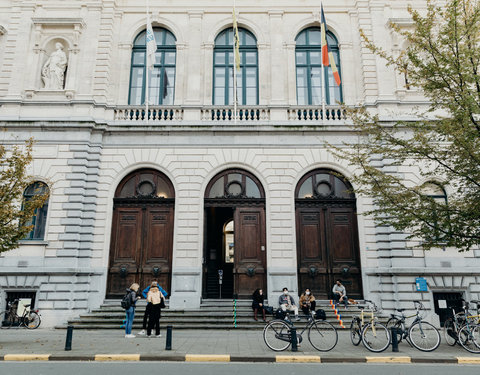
point(108, 223)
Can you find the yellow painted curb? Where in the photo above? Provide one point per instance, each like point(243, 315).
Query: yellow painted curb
point(298, 358)
point(117, 357)
point(207, 358)
point(388, 359)
point(26, 357)
point(469, 360)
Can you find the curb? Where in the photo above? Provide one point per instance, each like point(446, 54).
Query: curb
point(236, 358)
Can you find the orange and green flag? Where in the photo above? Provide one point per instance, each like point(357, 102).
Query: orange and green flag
point(335, 72)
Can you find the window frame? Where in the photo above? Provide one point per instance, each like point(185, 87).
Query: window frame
point(228, 50)
point(33, 235)
point(308, 48)
point(163, 48)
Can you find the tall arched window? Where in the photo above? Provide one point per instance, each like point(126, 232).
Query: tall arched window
point(39, 218)
point(247, 76)
point(308, 52)
point(161, 83)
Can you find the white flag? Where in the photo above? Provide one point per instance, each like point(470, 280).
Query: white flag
point(151, 46)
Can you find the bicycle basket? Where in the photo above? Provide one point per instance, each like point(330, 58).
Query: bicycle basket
point(280, 314)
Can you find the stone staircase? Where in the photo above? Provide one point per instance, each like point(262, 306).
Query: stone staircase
point(212, 314)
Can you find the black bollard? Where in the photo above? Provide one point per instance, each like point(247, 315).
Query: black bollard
point(68, 342)
point(293, 332)
point(168, 345)
point(394, 339)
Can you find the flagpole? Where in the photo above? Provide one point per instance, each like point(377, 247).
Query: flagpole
point(147, 99)
point(234, 71)
point(324, 91)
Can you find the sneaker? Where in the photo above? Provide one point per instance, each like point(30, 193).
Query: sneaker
point(297, 318)
point(130, 336)
point(149, 336)
point(159, 335)
point(141, 333)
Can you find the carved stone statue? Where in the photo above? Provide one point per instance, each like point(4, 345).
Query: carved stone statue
point(53, 72)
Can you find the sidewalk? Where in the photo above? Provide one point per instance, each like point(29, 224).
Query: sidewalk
point(211, 345)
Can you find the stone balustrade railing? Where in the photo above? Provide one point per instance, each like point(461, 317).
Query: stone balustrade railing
point(315, 113)
point(155, 113)
point(225, 114)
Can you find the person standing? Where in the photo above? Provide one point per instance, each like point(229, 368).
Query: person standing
point(340, 293)
point(307, 302)
point(149, 305)
point(132, 297)
point(287, 303)
point(258, 304)
point(154, 298)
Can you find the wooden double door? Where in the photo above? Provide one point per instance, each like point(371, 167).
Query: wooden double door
point(141, 246)
point(327, 249)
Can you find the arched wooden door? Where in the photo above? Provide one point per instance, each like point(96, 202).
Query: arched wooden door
point(240, 253)
point(327, 234)
point(142, 232)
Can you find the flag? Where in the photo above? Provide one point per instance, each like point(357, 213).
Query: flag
point(335, 72)
point(324, 30)
point(236, 41)
point(151, 45)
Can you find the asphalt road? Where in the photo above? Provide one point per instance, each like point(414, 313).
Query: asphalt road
point(92, 368)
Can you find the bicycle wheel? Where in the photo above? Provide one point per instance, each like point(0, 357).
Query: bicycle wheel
point(396, 323)
point(424, 336)
point(6, 320)
point(469, 338)
point(449, 332)
point(375, 337)
point(322, 335)
point(32, 320)
point(276, 335)
point(355, 331)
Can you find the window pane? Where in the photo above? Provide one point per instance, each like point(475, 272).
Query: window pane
point(170, 58)
point(140, 41)
point(251, 58)
point(315, 58)
point(301, 77)
point(315, 76)
point(306, 190)
point(301, 38)
point(314, 37)
point(220, 77)
point(251, 96)
point(136, 95)
point(230, 58)
point(138, 58)
point(251, 77)
point(251, 190)
point(217, 189)
point(170, 39)
point(301, 58)
point(158, 34)
point(137, 77)
point(221, 39)
point(249, 40)
point(219, 58)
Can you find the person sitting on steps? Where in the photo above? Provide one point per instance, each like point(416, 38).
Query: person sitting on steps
point(258, 304)
point(287, 303)
point(307, 302)
point(340, 293)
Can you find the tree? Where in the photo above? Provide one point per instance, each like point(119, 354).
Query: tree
point(16, 213)
point(442, 59)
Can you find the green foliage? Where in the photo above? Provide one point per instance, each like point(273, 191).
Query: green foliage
point(442, 59)
point(16, 214)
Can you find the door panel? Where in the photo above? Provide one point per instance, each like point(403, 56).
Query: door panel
point(250, 260)
point(142, 242)
point(327, 249)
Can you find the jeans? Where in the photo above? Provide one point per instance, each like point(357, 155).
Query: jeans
point(337, 297)
point(128, 324)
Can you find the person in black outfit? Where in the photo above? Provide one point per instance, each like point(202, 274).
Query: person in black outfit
point(258, 303)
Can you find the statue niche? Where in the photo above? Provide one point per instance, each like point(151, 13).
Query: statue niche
point(53, 71)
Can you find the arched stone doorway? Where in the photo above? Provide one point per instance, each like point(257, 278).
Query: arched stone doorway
point(234, 240)
point(142, 232)
point(327, 234)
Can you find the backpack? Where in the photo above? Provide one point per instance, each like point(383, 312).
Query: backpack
point(126, 301)
point(320, 314)
point(280, 314)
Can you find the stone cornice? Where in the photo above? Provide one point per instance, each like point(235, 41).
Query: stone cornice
point(58, 21)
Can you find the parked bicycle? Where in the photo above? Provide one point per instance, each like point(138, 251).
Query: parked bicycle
point(421, 334)
point(277, 334)
point(464, 328)
point(366, 328)
point(29, 319)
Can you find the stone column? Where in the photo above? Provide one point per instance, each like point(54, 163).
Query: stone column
point(277, 59)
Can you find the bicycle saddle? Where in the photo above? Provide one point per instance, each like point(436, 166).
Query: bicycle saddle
point(27, 305)
point(400, 310)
